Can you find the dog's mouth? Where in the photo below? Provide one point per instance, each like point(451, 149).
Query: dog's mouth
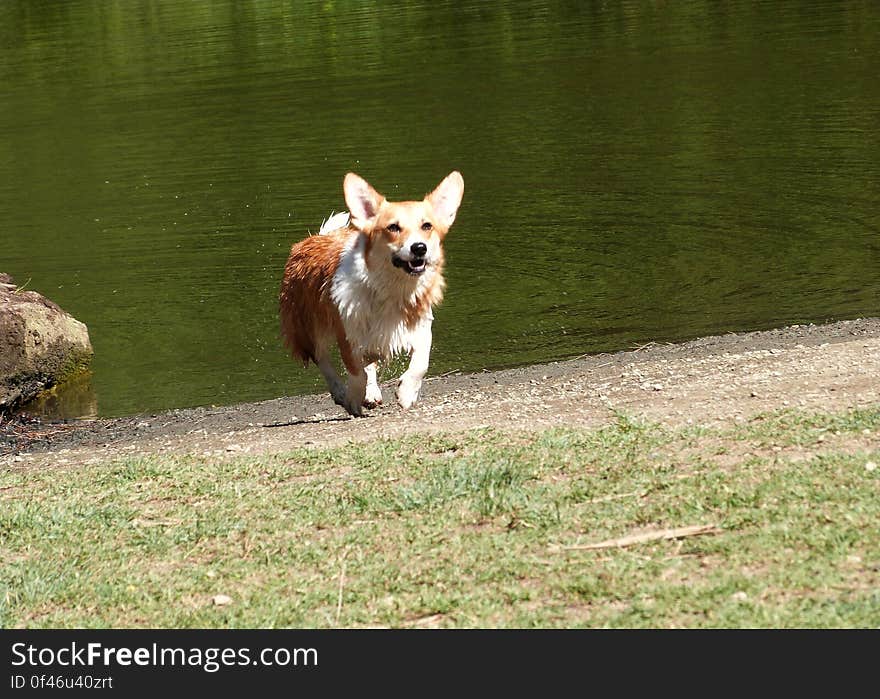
point(414, 267)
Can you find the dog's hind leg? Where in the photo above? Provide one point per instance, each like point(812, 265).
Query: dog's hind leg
point(373, 395)
point(334, 383)
point(356, 386)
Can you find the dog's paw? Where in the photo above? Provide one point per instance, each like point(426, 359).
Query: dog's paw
point(408, 392)
point(352, 406)
point(373, 396)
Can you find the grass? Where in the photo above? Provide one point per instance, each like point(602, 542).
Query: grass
point(471, 529)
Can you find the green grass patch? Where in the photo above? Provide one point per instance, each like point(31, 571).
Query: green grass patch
point(473, 529)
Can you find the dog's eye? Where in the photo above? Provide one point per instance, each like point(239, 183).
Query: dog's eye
point(394, 228)
point(426, 226)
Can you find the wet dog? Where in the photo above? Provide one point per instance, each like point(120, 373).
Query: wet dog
point(369, 282)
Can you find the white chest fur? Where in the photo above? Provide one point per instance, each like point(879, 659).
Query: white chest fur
point(372, 301)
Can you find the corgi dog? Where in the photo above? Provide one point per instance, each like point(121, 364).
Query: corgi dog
point(368, 282)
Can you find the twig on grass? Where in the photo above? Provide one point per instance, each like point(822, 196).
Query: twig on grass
point(632, 539)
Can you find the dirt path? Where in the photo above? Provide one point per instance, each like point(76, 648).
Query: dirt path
point(708, 381)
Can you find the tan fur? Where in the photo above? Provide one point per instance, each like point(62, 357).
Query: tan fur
point(306, 308)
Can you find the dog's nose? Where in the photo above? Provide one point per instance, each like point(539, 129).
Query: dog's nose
point(418, 249)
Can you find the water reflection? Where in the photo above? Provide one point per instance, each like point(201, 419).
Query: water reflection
point(74, 399)
point(635, 171)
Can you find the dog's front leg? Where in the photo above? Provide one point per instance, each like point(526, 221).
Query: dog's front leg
point(411, 381)
point(373, 396)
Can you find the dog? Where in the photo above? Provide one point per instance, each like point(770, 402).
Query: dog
point(368, 282)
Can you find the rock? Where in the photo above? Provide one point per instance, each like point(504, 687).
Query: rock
point(40, 345)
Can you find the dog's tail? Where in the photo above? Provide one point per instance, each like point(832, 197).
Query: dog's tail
point(334, 222)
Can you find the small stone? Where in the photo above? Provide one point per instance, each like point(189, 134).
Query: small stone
point(221, 600)
point(739, 596)
point(233, 447)
point(871, 466)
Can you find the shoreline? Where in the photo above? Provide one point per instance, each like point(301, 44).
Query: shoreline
point(706, 381)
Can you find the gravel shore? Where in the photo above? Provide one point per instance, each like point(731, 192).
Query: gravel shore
point(708, 381)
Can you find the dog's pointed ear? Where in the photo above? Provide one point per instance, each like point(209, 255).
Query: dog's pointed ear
point(363, 201)
point(446, 199)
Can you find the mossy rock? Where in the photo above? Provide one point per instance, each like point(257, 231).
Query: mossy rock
point(40, 345)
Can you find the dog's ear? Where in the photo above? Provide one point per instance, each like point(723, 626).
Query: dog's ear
point(446, 198)
point(363, 201)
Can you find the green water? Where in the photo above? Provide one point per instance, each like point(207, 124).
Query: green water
point(634, 171)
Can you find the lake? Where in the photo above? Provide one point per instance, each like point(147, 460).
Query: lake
point(634, 172)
